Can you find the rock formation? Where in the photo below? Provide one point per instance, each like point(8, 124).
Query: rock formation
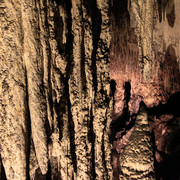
point(137, 161)
point(145, 54)
point(72, 76)
point(55, 102)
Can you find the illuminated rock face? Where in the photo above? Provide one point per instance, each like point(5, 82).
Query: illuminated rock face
point(145, 55)
point(137, 161)
point(57, 105)
point(145, 52)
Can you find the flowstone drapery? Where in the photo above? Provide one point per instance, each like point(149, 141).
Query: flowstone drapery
point(55, 102)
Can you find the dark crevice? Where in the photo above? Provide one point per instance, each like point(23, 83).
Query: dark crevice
point(171, 17)
point(160, 9)
point(39, 175)
point(168, 167)
point(127, 94)
point(95, 14)
point(120, 13)
point(163, 7)
point(58, 2)
point(91, 138)
point(103, 150)
point(96, 29)
point(28, 134)
point(113, 90)
point(83, 74)
point(69, 53)
point(154, 148)
point(58, 29)
point(70, 39)
point(50, 100)
point(171, 107)
point(48, 175)
point(2, 171)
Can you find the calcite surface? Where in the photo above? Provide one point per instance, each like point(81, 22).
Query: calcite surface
point(137, 161)
point(72, 76)
point(55, 102)
point(145, 56)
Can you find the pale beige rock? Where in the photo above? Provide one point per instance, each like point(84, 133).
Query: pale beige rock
point(55, 102)
point(54, 79)
point(136, 158)
point(33, 60)
point(141, 18)
point(102, 118)
point(13, 114)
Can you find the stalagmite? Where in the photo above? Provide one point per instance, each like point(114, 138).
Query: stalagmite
point(137, 161)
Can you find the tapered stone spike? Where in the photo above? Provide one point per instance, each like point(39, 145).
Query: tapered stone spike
point(136, 158)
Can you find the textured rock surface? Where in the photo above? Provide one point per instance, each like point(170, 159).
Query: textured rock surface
point(145, 55)
point(137, 161)
point(55, 103)
point(55, 97)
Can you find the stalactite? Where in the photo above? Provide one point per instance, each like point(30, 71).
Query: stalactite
point(33, 61)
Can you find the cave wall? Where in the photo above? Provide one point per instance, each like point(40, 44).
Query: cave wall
point(145, 56)
point(145, 51)
point(60, 115)
point(55, 102)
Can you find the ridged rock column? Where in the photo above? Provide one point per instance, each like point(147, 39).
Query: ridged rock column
point(137, 161)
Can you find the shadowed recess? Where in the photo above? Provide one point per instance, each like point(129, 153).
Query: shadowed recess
point(113, 89)
point(95, 14)
point(2, 171)
point(168, 167)
point(167, 7)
